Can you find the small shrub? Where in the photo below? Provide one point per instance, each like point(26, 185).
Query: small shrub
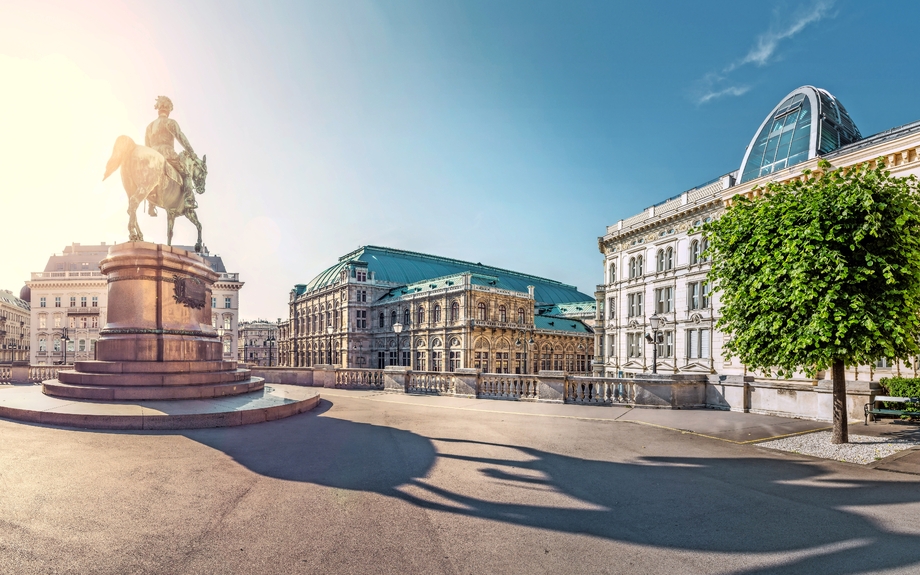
point(901, 387)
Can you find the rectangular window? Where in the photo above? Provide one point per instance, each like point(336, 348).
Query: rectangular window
point(612, 305)
point(705, 298)
point(634, 343)
point(634, 304)
point(501, 362)
point(693, 295)
point(95, 322)
point(226, 303)
point(57, 345)
point(73, 323)
point(57, 321)
point(420, 361)
point(95, 301)
point(664, 300)
point(666, 345)
point(73, 301)
point(41, 345)
point(83, 322)
point(226, 347)
point(361, 319)
point(42, 302)
point(57, 301)
point(226, 322)
point(481, 361)
point(698, 343)
point(361, 276)
point(42, 321)
point(82, 346)
point(82, 301)
point(436, 360)
point(213, 302)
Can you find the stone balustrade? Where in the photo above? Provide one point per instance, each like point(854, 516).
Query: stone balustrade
point(509, 386)
point(434, 382)
point(805, 400)
point(354, 378)
point(6, 374)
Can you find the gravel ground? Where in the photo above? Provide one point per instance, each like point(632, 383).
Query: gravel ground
point(862, 449)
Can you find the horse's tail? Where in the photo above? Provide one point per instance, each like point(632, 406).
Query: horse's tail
point(123, 148)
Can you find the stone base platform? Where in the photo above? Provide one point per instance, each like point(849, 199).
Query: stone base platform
point(151, 386)
point(274, 401)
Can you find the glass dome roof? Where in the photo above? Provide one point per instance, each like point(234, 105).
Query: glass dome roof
point(807, 123)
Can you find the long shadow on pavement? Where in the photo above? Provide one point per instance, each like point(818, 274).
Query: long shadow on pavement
point(725, 505)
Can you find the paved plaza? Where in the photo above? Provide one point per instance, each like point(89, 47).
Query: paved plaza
point(382, 483)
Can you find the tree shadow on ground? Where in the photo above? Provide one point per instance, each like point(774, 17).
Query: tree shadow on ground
point(794, 510)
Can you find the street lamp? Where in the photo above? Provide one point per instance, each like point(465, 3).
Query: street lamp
point(520, 343)
point(329, 329)
point(654, 322)
point(357, 348)
point(398, 327)
point(64, 338)
point(270, 340)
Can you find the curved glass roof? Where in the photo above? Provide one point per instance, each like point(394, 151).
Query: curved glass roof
point(808, 122)
point(403, 268)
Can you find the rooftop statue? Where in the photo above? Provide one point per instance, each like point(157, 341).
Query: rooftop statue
point(156, 173)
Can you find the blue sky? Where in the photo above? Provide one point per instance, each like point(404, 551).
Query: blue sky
point(507, 133)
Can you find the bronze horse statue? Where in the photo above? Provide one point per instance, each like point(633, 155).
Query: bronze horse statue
point(146, 175)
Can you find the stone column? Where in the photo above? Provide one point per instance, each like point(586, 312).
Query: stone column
point(396, 378)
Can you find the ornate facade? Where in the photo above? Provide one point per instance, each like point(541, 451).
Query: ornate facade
point(380, 306)
point(655, 263)
point(15, 326)
point(258, 343)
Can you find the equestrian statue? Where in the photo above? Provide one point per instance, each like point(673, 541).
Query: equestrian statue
point(156, 173)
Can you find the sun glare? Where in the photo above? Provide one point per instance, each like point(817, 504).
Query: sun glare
point(58, 127)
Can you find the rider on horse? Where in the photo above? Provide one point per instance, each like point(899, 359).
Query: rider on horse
point(161, 135)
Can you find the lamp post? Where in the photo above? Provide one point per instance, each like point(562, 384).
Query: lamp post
point(64, 339)
point(329, 329)
point(270, 340)
point(529, 344)
point(654, 322)
point(398, 327)
point(357, 348)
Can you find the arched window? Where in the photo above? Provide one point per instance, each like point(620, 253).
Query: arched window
point(661, 257)
point(632, 268)
point(420, 315)
point(436, 314)
point(381, 319)
point(694, 252)
point(502, 313)
point(454, 311)
point(669, 259)
point(406, 316)
point(612, 273)
point(705, 246)
point(482, 311)
point(521, 316)
point(639, 271)
point(393, 317)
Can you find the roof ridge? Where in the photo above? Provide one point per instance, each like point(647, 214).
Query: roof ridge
point(463, 262)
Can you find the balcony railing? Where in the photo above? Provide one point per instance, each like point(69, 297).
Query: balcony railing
point(66, 275)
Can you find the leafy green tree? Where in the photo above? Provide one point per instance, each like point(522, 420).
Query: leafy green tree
point(821, 272)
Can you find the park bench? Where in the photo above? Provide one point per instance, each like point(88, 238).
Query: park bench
point(871, 410)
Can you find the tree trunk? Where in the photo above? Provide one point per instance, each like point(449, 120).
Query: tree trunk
point(840, 403)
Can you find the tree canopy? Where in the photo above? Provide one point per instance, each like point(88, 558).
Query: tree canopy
point(821, 271)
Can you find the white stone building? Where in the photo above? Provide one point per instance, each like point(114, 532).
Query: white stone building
point(15, 325)
point(653, 262)
point(258, 343)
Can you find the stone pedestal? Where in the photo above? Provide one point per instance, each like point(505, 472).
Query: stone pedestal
point(158, 342)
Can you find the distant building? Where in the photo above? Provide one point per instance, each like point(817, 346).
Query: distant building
point(69, 300)
point(258, 342)
point(15, 325)
point(382, 306)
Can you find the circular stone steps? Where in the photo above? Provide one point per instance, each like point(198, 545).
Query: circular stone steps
point(273, 401)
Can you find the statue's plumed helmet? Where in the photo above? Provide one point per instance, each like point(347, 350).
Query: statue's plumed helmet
point(163, 101)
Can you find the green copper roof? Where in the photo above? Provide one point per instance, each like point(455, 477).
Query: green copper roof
point(404, 268)
point(569, 308)
point(560, 323)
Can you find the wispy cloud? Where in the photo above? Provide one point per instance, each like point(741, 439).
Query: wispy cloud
point(712, 86)
point(730, 91)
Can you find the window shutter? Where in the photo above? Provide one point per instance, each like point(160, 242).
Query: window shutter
point(704, 343)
